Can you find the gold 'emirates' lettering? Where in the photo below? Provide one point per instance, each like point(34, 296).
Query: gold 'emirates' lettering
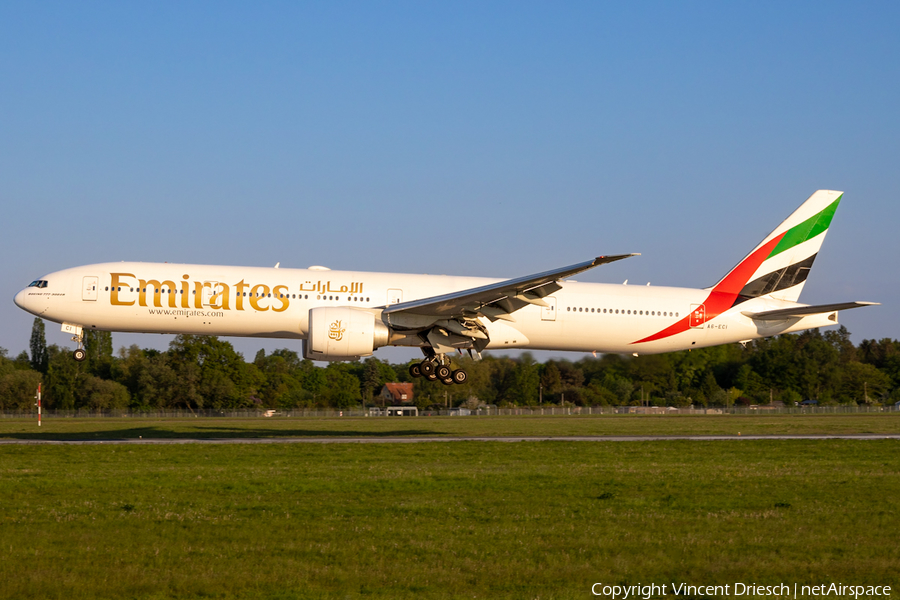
point(185, 292)
point(219, 299)
point(256, 296)
point(239, 288)
point(277, 293)
point(207, 294)
point(114, 296)
point(156, 288)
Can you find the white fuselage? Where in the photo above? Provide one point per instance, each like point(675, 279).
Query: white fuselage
point(275, 303)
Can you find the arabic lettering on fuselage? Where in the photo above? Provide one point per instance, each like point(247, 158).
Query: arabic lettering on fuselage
point(213, 294)
point(355, 288)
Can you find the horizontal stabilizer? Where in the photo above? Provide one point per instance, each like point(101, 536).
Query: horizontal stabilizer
point(803, 311)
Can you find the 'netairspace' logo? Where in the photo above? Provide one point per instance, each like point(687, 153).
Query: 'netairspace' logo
point(795, 590)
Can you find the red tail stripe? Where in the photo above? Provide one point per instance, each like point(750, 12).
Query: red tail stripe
point(722, 297)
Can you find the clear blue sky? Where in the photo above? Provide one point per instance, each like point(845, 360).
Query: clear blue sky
point(479, 138)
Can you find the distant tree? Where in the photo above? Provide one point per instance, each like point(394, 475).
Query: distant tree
point(23, 362)
point(862, 383)
point(63, 379)
point(371, 378)
point(550, 379)
point(100, 393)
point(710, 389)
point(313, 380)
point(341, 388)
point(526, 379)
point(213, 373)
point(38, 345)
point(17, 390)
point(375, 374)
point(99, 348)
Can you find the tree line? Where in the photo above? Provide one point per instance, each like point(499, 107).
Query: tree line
point(205, 372)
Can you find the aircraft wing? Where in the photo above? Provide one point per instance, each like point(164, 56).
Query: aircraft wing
point(802, 311)
point(498, 300)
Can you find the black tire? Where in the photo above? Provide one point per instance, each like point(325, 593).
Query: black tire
point(431, 377)
point(414, 370)
point(459, 376)
point(79, 355)
point(447, 381)
point(443, 372)
point(427, 367)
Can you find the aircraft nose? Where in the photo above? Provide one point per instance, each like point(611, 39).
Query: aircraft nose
point(26, 302)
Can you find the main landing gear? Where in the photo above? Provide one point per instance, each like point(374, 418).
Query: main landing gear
point(433, 368)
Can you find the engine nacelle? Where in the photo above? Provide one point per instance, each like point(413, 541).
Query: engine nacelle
point(343, 333)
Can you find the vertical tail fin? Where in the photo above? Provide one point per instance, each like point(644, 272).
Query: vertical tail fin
point(779, 265)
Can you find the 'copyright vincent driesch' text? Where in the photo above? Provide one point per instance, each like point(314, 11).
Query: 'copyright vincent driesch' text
point(783, 590)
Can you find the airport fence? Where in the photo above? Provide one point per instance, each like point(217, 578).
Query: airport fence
point(456, 412)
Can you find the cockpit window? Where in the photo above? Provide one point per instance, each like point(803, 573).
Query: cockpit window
point(40, 283)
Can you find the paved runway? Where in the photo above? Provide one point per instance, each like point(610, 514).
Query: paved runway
point(419, 440)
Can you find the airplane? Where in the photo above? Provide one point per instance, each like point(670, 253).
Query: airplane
point(346, 315)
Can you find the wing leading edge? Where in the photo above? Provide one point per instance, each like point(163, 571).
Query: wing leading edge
point(498, 300)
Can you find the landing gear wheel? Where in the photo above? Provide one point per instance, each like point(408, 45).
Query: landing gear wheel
point(431, 377)
point(459, 376)
point(447, 381)
point(79, 354)
point(414, 370)
point(427, 367)
point(443, 372)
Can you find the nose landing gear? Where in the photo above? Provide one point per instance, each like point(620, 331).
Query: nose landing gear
point(79, 353)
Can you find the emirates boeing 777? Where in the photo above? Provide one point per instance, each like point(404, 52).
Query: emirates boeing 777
point(345, 315)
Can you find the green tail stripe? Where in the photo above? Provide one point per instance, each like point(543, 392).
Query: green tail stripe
point(808, 229)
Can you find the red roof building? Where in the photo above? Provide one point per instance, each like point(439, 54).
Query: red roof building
point(397, 393)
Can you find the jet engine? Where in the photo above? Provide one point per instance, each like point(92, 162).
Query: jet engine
point(343, 333)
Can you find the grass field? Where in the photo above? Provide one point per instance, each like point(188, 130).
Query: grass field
point(207, 428)
point(466, 520)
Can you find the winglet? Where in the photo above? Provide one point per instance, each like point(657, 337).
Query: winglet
point(603, 260)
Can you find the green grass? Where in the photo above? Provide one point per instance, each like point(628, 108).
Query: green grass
point(485, 520)
point(206, 428)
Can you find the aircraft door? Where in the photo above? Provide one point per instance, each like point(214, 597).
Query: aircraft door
point(698, 316)
point(548, 313)
point(394, 296)
point(89, 288)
